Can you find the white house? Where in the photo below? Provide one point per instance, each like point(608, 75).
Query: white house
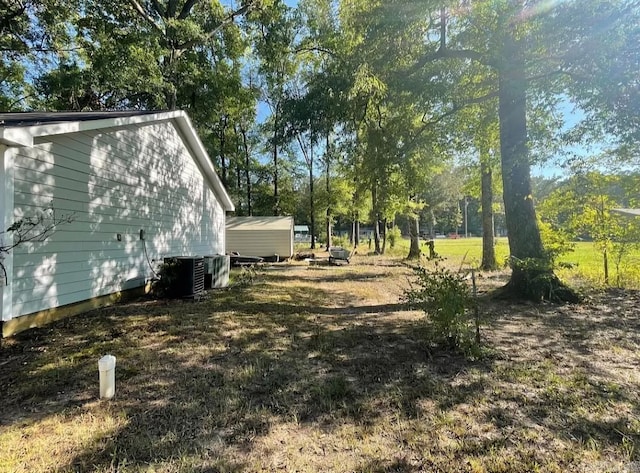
point(260, 236)
point(138, 186)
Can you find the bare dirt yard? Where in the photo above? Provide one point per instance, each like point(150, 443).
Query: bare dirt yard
point(322, 369)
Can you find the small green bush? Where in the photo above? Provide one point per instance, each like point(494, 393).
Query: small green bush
point(342, 241)
point(246, 276)
point(446, 299)
point(393, 236)
point(557, 242)
point(168, 274)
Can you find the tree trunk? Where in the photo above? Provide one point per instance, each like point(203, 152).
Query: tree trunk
point(237, 154)
point(376, 236)
point(328, 184)
point(312, 205)
point(223, 169)
point(432, 224)
point(352, 233)
point(532, 276)
point(355, 226)
point(247, 162)
point(238, 178)
point(239, 184)
point(276, 195)
point(414, 235)
point(376, 218)
point(223, 158)
point(522, 228)
point(605, 261)
point(488, 247)
point(357, 231)
point(328, 230)
point(170, 81)
point(171, 96)
point(384, 235)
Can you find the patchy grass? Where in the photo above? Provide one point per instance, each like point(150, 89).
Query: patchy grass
point(322, 369)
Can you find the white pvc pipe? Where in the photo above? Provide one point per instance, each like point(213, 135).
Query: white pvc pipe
point(107, 368)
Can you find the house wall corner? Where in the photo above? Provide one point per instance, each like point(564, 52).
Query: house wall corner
point(6, 220)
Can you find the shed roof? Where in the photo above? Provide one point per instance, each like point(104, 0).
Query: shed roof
point(259, 223)
point(628, 212)
point(21, 129)
point(301, 228)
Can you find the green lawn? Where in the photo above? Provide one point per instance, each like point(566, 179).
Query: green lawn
point(585, 260)
point(588, 263)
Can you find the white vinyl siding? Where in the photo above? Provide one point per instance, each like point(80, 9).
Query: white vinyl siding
point(259, 242)
point(260, 236)
point(111, 181)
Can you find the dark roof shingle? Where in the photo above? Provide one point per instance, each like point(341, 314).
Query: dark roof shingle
point(40, 118)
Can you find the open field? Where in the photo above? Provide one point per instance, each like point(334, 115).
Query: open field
point(321, 369)
point(585, 260)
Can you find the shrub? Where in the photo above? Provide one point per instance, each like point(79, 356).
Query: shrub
point(393, 236)
point(446, 299)
point(342, 241)
point(168, 274)
point(246, 276)
point(556, 242)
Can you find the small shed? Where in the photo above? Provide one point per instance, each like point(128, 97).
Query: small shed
point(260, 236)
point(137, 187)
point(301, 233)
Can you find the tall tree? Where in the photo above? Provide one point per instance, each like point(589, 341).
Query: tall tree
point(604, 83)
point(395, 144)
point(527, 46)
point(33, 35)
point(477, 134)
point(274, 38)
point(321, 52)
point(181, 36)
point(150, 54)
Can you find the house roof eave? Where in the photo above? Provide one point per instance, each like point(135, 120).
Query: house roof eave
point(17, 133)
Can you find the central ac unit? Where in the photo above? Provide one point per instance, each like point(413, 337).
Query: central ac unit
point(216, 271)
point(189, 275)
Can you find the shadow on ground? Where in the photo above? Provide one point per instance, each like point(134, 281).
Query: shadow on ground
point(200, 382)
